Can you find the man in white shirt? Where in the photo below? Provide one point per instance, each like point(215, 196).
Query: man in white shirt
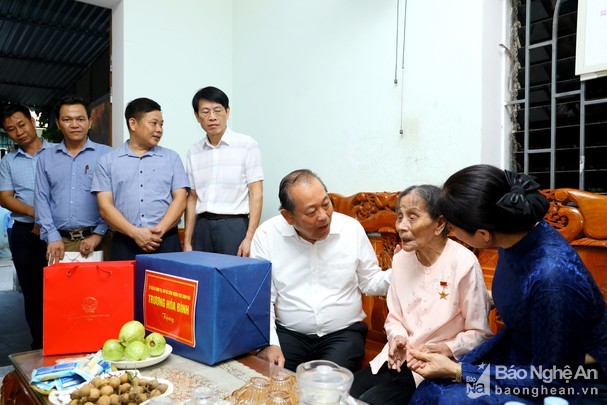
point(225, 174)
point(321, 261)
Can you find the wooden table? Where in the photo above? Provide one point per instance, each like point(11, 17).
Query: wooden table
point(17, 390)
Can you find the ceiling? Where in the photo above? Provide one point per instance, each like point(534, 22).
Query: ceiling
point(46, 46)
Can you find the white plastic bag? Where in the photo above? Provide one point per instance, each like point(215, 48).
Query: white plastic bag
point(70, 257)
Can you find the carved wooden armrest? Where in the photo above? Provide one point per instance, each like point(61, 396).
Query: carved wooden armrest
point(578, 214)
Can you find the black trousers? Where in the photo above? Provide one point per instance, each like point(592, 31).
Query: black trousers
point(125, 248)
point(345, 347)
point(29, 257)
point(386, 387)
point(220, 235)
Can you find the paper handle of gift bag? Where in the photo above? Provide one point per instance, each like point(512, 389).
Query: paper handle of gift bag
point(99, 268)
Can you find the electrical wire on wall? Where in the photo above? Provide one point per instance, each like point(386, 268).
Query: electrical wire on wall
point(396, 50)
point(402, 77)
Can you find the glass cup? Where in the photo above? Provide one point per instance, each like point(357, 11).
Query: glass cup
point(203, 394)
point(284, 381)
point(279, 397)
point(255, 393)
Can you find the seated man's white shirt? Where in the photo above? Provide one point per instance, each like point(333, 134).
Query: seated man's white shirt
point(316, 287)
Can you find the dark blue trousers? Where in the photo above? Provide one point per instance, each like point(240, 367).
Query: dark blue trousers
point(29, 257)
point(125, 248)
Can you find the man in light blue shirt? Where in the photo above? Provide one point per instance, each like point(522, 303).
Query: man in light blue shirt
point(17, 178)
point(142, 187)
point(66, 210)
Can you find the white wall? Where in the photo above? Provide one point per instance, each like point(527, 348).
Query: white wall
point(313, 82)
point(315, 85)
point(168, 51)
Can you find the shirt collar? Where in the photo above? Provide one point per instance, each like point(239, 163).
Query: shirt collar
point(225, 139)
point(126, 151)
point(87, 145)
point(45, 145)
point(287, 230)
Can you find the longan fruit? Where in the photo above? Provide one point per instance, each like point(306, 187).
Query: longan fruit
point(85, 390)
point(124, 388)
point(163, 387)
point(114, 382)
point(124, 378)
point(152, 384)
point(94, 395)
point(103, 400)
point(114, 399)
point(106, 390)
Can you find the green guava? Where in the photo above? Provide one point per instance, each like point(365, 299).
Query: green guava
point(155, 343)
point(112, 350)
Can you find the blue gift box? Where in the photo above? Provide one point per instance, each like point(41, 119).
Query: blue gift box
point(210, 307)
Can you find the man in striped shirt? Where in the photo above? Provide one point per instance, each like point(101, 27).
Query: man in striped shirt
point(225, 174)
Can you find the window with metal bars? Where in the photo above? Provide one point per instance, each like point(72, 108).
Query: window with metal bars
point(559, 122)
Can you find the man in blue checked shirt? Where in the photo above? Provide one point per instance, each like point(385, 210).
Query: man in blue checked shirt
point(142, 187)
point(17, 178)
point(66, 210)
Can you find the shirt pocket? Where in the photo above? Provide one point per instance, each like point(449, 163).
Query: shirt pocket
point(161, 185)
point(160, 177)
point(87, 180)
point(338, 275)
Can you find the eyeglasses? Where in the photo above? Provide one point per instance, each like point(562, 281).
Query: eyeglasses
point(217, 111)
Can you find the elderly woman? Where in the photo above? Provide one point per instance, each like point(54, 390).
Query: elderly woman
point(555, 339)
point(437, 301)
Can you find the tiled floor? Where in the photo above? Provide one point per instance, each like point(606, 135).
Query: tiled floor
point(14, 332)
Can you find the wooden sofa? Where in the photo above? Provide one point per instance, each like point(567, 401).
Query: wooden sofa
point(581, 217)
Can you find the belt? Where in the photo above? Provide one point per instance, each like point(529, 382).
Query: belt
point(212, 217)
point(76, 234)
point(24, 224)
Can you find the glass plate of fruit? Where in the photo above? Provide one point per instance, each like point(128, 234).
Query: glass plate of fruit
point(133, 350)
point(115, 387)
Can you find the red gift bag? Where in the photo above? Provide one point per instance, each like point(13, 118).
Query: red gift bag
point(85, 304)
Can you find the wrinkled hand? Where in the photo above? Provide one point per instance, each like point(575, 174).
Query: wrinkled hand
point(245, 248)
point(55, 251)
point(89, 244)
point(397, 352)
point(36, 230)
point(148, 239)
point(273, 355)
point(431, 365)
point(440, 348)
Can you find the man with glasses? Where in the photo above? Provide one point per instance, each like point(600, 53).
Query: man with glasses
point(225, 174)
